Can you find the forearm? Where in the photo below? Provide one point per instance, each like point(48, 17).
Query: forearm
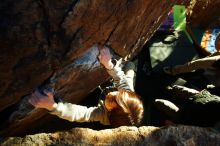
point(119, 77)
point(78, 113)
point(114, 68)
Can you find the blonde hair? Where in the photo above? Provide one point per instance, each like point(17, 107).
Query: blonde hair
point(129, 110)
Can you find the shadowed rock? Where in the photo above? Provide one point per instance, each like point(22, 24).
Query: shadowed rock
point(51, 40)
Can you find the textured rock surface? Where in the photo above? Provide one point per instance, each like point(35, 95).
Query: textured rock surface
point(152, 136)
point(52, 39)
point(204, 13)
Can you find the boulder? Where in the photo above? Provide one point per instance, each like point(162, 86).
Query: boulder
point(53, 40)
point(204, 13)
point(146, 135)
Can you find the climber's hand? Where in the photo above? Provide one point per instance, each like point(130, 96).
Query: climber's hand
point(105, 57)
point(43, 101)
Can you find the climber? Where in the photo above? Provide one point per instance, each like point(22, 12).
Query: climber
point(120, 107)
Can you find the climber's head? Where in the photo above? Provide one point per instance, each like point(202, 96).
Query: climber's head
point(125, 108)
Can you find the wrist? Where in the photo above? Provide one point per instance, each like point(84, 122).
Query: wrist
point(53, 107)
point(109, 65)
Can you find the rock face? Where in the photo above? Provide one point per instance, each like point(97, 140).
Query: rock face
point(208, 9)
point(51, 40)
point(152, 136)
